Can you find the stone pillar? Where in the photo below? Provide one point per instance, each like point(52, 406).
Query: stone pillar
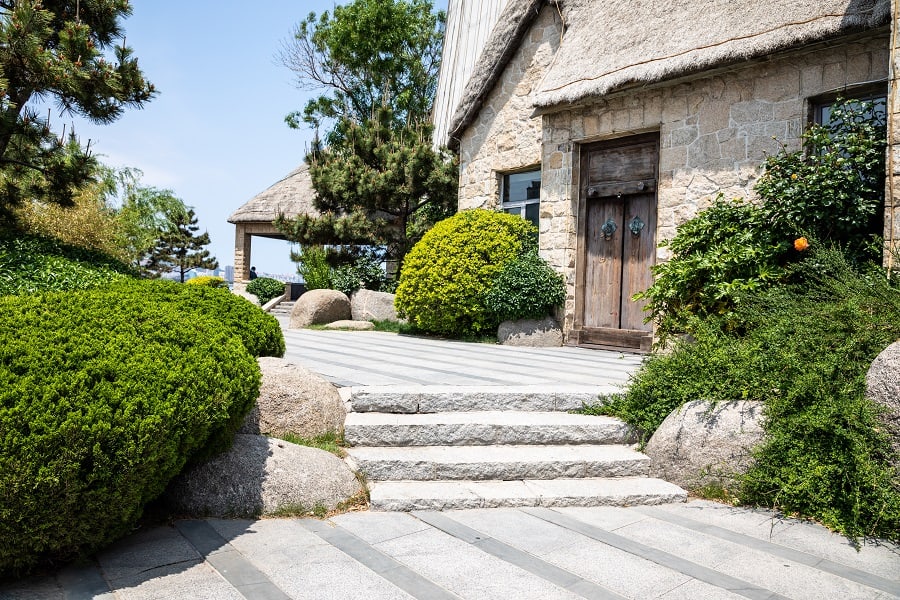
point(892, 193)
point(242, 243)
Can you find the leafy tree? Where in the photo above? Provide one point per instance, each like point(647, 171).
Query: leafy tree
point(143, 214)
point(67, 51)
point(368, 54)
point(180, 248)
point(383, 185)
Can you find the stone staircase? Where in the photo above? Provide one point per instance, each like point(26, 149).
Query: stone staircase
point(283, 309)
point(451, 447)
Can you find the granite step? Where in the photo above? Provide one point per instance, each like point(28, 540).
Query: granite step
point(454, 398)
point(453, 495)
point(484, 429)
point(431, 463)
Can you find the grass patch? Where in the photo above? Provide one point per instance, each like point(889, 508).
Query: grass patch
point(329, 442)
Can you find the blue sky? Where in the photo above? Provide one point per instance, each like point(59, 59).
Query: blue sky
point(216, 133)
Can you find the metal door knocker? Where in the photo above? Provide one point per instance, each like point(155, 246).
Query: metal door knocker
point(636, 226)
point(609, 228)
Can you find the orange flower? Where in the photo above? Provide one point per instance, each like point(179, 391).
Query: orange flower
point(801, 244)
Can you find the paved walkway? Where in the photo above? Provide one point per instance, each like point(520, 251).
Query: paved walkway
point(371, 358)
point(697, 550)
point(691, 551)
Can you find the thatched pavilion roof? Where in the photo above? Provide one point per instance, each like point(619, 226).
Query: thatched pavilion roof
point(611, 45)
point(291, 196)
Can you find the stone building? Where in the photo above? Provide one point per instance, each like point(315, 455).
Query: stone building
point(610, 123)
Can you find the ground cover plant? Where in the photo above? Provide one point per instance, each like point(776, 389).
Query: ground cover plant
point(445, 278)
point(105, 395)
point(803, 351)
point(30, 263)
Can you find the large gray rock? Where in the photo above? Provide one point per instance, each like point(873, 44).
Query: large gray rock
point(260, 476)
point(294, 400)
point(883, 388)
point(319, 306)
point(703, 443)
point(367, 305)
point(529, 332)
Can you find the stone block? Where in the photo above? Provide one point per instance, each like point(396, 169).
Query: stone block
point(319, 306)
point(530, 332)
point(883, 389)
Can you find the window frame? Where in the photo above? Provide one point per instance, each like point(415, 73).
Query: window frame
point(864, 91)
point(521, 204)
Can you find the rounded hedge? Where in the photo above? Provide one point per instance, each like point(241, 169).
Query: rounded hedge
point(265, 288)
point(447, 274)
point(105, 395)
point(208, 281)
point(526, 288)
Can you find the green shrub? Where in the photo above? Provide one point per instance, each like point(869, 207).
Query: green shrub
point(265, 288)
point(526, 288)
point(803, 351)
point(259, 331)
point(208, 281)
point(447, 274)
point(834, 189)
point(105, 395)
point(727, 250)
point(312, 265)
point(364, 272)
point(30, 264)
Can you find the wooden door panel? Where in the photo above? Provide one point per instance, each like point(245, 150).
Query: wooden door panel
point(603, 278)
point(618, 183)
point(638, 253)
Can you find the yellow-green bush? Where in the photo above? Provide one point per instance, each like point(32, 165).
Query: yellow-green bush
point(105, 395)
point(208, 281)
point(447, 274)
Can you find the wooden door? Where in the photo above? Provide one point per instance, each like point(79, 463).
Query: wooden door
point(617, 241)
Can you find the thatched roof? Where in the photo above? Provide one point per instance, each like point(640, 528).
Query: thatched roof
point(292, 196)
point(609, 45)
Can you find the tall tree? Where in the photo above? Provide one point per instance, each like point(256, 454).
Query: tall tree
point(71, 53)
point(179, 248)
point(368, 54)
point(383, 185)
point(378, 180)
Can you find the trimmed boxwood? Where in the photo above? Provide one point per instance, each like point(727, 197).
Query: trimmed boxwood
point(526, 288)
point(105, 395)
point(265, 288)
point(447, 274)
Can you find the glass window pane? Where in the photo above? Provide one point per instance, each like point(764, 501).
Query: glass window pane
point(533, 213)
point(522, 186)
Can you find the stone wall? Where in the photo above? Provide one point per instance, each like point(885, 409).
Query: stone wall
point(892, 192)
point(506, 137)
point(715, 132)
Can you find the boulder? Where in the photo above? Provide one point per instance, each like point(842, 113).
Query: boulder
point(261, 476)
point(354, 325)
point(366, 305)
point(529, 332)
point(294, 400)
point(316, 307)
point(883, 388)
point(705, 443)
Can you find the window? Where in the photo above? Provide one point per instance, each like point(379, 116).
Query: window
point(877, 95)
point(521, 195)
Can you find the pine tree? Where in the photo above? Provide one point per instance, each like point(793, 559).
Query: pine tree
point(179, 248)
point(382, 185)
point(58, 50)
